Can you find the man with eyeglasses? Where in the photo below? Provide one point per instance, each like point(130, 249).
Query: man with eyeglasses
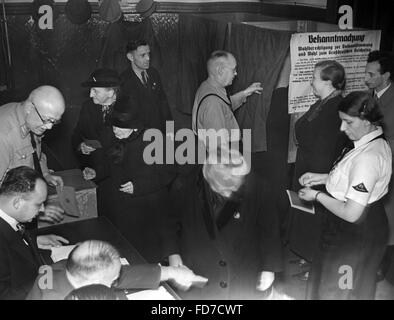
point(98, 262)
point(22, 126)
point(213, 108)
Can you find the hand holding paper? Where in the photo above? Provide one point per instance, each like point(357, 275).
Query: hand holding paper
point(298, 203)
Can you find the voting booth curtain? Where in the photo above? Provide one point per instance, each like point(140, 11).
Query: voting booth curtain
point(260, 54)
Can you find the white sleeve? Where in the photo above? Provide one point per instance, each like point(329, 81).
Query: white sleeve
point(363, 176)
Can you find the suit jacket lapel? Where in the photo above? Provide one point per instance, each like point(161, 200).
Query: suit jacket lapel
point(16, 242)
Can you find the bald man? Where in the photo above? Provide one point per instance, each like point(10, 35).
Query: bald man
point(213, 108)
point(98, 262)
point(22, 125)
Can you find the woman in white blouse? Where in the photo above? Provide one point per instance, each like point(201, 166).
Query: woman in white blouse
point(355, 186)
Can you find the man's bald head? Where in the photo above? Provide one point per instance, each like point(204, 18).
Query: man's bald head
point(221, 67)
point(44, 107)
point(93, 261)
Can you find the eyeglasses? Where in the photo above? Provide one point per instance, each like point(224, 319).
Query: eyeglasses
point(45, 121)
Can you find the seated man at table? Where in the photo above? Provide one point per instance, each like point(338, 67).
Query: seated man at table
point(98, 262)
point(22, 195)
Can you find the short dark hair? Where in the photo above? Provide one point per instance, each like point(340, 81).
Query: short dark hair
point(334, 71)
point(361, 104)
point(92, 292)
point(133, 45)
point(385, 60)
point(19, 180)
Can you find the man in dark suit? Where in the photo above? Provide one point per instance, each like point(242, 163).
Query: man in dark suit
point(98, 262)
point(142, 82)
point(228, 233)
point(379, 77)
point(22, 195)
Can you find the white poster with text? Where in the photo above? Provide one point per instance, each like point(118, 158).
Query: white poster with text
point(350, 48)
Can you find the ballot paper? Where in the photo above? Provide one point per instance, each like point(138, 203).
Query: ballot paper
point(159, 294)
point(68, 200)
point(300, 204)
point(61, 253)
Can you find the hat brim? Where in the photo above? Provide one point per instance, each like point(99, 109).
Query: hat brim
point(100, 84)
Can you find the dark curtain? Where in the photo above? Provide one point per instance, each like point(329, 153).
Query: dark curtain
point(113, 47)
point(260, 55)
point(198, 38)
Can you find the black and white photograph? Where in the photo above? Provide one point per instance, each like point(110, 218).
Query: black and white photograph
point(196, 154)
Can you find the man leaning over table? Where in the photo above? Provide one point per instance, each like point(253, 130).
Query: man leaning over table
point(98, 262)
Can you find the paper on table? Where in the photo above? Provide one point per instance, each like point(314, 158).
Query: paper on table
point(300, 204)
point(68, 200)
point(61, 253)
point(159, 294)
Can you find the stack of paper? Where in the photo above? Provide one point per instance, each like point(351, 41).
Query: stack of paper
point(61, 253)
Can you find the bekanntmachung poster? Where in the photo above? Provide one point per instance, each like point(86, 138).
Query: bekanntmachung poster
point(350, 48)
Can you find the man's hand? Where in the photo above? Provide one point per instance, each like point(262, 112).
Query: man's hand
point(52, 213)
point(86, 149)
point(54, 180)
point(182, 277)
point(127, 187)
point(253, 88)
point(265, 280)
point(50, 240)
point(89, 173)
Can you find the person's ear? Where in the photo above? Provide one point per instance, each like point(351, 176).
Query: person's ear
point(112, 93)
point(386, 76)
point(130, 57)
point(17, 202)
point(220, 69)
point(28, 107)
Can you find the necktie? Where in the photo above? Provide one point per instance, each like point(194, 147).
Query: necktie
point(25, 234)
point(144, 77)
point(36, 162)
point(106, 112)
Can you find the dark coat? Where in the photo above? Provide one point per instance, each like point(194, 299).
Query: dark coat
point(137, 216)
point(151, 100)
point(132, 277)
point(233, 248)
point(18, 268)
point(89, 126)
point(319, 144)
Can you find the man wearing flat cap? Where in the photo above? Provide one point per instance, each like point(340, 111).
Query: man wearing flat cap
point(95, 113)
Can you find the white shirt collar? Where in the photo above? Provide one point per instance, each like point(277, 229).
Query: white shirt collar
point(368, 137)
point(10, 220)
point(380, 93)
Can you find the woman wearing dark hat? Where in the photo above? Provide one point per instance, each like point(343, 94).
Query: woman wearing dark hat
point(135, 194)
point(95, 113)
